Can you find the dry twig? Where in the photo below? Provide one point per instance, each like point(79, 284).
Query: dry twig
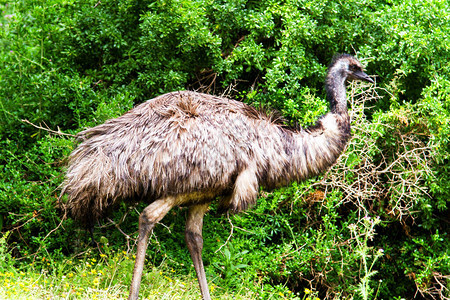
point(58, 132)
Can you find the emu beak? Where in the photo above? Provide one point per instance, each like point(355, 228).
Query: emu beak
point(362, 76)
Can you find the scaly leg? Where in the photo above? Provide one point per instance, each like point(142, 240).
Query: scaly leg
point(194, 240)
point(151, 215)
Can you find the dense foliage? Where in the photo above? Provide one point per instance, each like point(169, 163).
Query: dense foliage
point(374, 226)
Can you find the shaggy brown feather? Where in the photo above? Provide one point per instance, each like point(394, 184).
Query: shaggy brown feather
point(198, 146)
point(184, 143)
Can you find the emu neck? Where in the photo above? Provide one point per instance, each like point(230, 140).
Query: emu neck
point(318, 147)
point(335, 88)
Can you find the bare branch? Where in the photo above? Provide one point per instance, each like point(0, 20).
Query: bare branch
point(59, 132)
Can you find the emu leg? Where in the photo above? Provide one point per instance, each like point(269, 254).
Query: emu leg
point(194, 240)
point(151, 215)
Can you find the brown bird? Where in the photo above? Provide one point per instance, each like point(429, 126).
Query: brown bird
point(189, 149)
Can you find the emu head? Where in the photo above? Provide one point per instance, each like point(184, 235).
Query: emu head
point(349, 68)
point(343, 68)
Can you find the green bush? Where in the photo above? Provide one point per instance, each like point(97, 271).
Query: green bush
point(67, 65)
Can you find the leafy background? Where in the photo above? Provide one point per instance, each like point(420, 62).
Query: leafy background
point(374, 226)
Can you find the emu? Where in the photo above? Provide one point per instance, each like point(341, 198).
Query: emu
point(189, 149)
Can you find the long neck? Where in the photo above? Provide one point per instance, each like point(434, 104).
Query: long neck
point(308, 152)
point(313, 150)
point(318, 147)
point(335, 88)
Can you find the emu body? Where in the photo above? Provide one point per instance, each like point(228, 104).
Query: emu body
point(187, 148)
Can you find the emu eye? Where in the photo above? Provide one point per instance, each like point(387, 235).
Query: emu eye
point(354, 68)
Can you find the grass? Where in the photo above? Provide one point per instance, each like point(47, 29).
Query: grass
point(105, 277)
point(96, 275)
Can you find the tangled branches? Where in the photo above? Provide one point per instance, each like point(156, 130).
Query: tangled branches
point(383, 164)
point(385, 168)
